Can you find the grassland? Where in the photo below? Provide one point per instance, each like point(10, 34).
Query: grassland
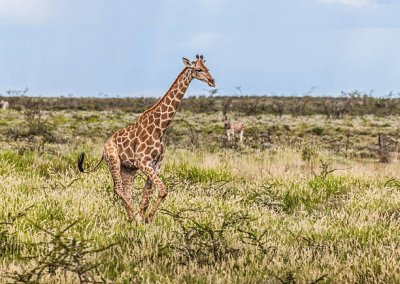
point(305, 200)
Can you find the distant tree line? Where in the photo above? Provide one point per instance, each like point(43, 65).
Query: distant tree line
point(351, 103)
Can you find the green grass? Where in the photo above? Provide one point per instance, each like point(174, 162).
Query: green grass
point(233, 215)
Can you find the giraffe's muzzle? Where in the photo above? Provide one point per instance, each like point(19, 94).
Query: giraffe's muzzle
point(211, 83)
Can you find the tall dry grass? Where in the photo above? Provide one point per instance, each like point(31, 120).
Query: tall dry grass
point(233, 215)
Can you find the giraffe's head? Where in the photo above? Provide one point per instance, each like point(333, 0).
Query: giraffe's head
point(199, 70)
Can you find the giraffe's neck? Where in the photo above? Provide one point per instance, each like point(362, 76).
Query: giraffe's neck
point(164, 110)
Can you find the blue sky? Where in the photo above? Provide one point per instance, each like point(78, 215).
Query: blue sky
point(134, 47)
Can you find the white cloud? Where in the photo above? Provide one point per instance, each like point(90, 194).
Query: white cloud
point(24, 11)
point(352, 3)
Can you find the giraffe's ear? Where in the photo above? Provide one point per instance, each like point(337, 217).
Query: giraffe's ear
point(186, 62)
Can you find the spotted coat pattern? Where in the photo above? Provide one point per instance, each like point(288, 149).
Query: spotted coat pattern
point(140, 146)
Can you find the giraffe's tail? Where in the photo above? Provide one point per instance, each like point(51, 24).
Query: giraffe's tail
point(81, 158)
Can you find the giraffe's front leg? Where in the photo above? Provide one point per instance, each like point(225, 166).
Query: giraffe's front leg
point(144, 204)
point(148, 188)
point(162, 189)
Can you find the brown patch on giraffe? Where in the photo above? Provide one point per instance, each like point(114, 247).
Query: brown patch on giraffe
point(147, 151)
point(120, 148)
point(144, 136)
point(149, 142)
point(164, 108)
point(157, 134)
point(126, 143)
point(145, 122)
point(141, 147)
point(132, 135)
point(150, 129)
point(124, 156)
point(175, 104)
point(154, 153)
point(157, 115)
point(138, 129)
point(143, 132)
point(129, 151)
point(165, 123)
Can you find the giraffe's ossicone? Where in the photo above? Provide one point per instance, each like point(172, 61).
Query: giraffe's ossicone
point(140, 146)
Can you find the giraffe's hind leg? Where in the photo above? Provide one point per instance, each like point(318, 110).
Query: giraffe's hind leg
point(114, 164)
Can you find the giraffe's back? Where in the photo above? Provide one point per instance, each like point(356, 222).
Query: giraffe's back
point(136, 143)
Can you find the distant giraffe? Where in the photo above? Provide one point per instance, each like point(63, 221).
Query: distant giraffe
point(233, 128)
point(140, 146)
point(4, 104)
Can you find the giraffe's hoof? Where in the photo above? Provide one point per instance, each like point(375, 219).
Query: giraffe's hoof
point(147, 219)
point(131, 216)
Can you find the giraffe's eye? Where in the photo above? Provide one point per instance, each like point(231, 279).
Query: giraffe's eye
point(199, 70)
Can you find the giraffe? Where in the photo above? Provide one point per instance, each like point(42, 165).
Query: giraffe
point(234, 128)
point(139, 146)
point(4, 104)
